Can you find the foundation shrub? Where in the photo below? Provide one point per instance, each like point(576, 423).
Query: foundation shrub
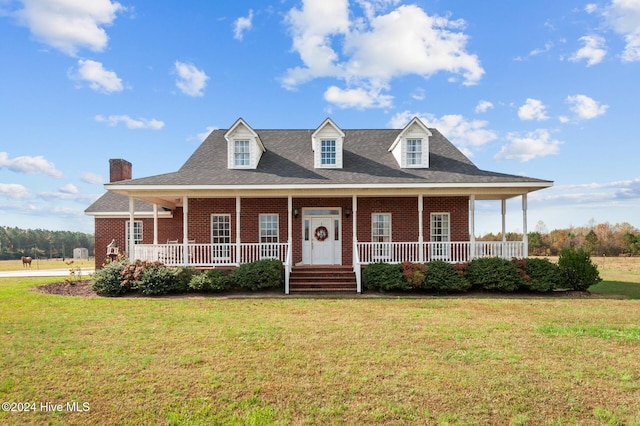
point(384, 277)
point(211, 281)
point(157, 280)
point(414, 273)
point(543, 275)
point(443, 277)
point(183, 275)
point(493, 274)
point(107, 280)
point(265, 273)
point(577, 270)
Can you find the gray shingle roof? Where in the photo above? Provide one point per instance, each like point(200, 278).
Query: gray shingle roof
point(289, 160)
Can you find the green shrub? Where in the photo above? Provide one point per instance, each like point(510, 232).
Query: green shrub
point(414, 273)
point(443, 277)
point(493, 274)
point(183, 275)
point(384, 277)
point(107, 281)
point(543, 275)
point(265, 273)
point(156, 280)
point(213, 280)
point(577, 269)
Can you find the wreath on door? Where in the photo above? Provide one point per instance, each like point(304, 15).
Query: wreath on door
point(321, 233)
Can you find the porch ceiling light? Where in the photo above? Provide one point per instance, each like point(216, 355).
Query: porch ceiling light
point(296, 212)
point(347, 212)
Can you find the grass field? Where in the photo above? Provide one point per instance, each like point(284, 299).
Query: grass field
point(16, 265)
point(207, 360)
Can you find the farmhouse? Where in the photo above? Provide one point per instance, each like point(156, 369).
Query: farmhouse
point(323, 199)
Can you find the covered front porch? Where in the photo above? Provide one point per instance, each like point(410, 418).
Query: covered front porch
point(350, 232)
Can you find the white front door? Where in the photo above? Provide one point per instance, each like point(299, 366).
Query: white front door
point(321, 236)
point(322, 241)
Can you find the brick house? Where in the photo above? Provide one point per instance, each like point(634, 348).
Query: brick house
point(325, 197)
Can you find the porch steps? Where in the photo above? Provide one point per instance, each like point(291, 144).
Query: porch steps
point(322, 279)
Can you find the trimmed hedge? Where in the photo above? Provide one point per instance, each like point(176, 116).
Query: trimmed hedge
point(542, 275)
point(265, 273)
point(213, 280)
point(443, 277)
point(384, 277)
point(493, 274)
point(107, 281)
point(577, 269)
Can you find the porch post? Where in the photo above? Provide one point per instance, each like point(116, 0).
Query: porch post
point(185, 230)
point(504, 227)
point(420, 229)
point(356, 260)
point(238, 206)
point(525, 236)
point(472, 226)
point(131, 229)
point(289, 259)
point(155, 224)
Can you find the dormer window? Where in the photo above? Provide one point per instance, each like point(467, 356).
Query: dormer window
point(327, 142)
point(411, 147)
point(244, 147)
point(414, 152)
point(328, 152)
point(241, 153)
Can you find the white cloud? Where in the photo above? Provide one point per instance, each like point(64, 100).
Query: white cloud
point(92, 178)
point(585, 108)
point(14, 191)
point(624, 17)
point(484, 106)
point(69, 189)
point(191, 81)
point(359, 98)
point(99, 79)
point(241, 25)
point(534, 144)
point(593, 50)
point(591, 8)
point(533, 109)
point(140, 123)
point(68, 25)
point(200, 137)
point(464, 134)
point(375, 48)
point(29, 165)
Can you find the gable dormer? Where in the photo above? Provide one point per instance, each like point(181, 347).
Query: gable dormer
point(327, 142)
point(244, 147)
point(411, 147)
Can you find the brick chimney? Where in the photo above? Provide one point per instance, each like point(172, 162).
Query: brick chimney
point(119, 170)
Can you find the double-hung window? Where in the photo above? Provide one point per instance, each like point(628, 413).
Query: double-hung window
point(328, 152)
point(414, 152)
point(137, 232)
point(241, 153)
point(441, 235)
point(221, 236)
point(269, 236)
point(381, 235)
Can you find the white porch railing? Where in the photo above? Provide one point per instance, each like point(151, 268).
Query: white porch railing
point(210, 254)
point(453, 252)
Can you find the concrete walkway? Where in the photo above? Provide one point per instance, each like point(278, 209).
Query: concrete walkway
point(33, 272)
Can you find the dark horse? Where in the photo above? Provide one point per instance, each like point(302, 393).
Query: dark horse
point(26, 260)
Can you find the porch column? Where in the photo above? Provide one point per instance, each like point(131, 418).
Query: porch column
point(155, 224)
point(185, 230)
point(472, 226)
point(289, 254)
point(420, 228)
point(238, 206)
point(504, 227)
point(356, 259)
point(525, 236)
point(131, 241)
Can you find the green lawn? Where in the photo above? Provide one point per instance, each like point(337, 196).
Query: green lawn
point(206, 360)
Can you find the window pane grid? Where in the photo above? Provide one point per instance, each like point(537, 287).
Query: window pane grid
point(328, 152)
point(241, 153)
point(414, 151)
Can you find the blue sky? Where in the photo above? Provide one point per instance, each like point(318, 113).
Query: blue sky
point(544, 89)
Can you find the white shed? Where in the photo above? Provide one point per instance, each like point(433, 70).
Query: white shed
point(80, 253)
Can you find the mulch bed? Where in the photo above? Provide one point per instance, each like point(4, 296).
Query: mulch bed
point(81, 288)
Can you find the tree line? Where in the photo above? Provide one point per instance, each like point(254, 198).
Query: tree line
point(40, 243)
point(602, 239)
